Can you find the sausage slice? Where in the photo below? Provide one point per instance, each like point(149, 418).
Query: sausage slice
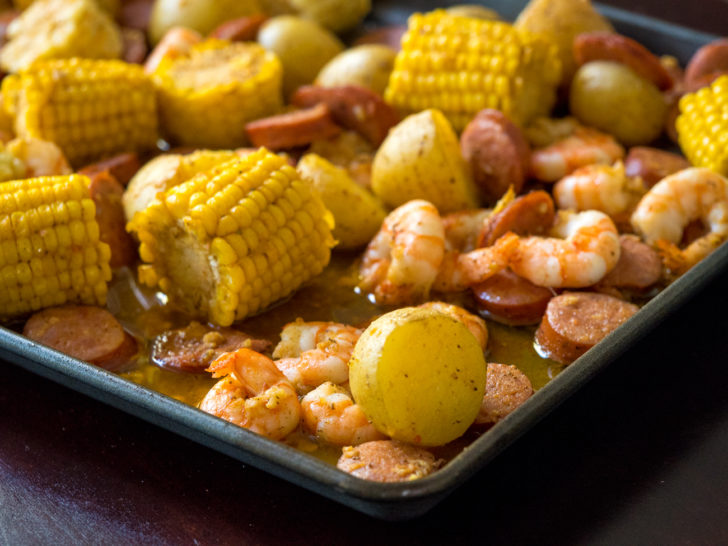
point(509, 299)
point(194, 347)
point(506, 388)
point(293, 129)
point(652, 164)
point(85, 332)
point(576, 321)
point(387, 461)
point(530, 214)
point(639, 265)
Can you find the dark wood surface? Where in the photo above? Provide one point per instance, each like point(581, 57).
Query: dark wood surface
point(636, 457)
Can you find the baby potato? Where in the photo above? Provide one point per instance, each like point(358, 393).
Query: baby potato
point(475, 11)
point(561, 21)
point(199, 15)
point(357, 213)
point(418, 375)
point(303, 47)
point(336, 15)
point(613, 98)
point(421, 159)
point(366, 65)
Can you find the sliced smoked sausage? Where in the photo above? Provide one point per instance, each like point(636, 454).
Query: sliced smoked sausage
point(652, 165)
point(194, 347)
point(506, 388)
point(293, 129)
point(530, 214)
point(507, 298)
point(639, 265)
point(576, 321)
point(85, 332)
point(387, 461)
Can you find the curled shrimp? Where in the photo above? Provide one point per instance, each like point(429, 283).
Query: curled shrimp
point(581, 249)
point(677, 200)
point(402, 260)
point(311, 353)
point(599, 187)
point(584, 146)
point(474, 323)
point(253, 394)
point(462, 228)
point(40, 157)
point(175, 42)
point(330, 414)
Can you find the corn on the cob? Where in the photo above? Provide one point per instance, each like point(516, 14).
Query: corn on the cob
point(111, 6)
point(89, 108)
point(232, 240)
point(208, 95)
point(702, 126)
point(50, 252)
point(460, 65)
point(60, 29)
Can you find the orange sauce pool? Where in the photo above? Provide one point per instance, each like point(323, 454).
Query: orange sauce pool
point(329, 297)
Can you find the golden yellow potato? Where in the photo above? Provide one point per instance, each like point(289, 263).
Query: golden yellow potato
point(421, 159)
point(561, 21)
point(418, 375)
point(474, 10)
point(303, 47)
point(336, 15)
point(614, 98)
point(366, 65)
point(357, 213)
point(200, 15)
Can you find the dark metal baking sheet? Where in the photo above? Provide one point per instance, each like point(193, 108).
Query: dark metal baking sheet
point(397, 500)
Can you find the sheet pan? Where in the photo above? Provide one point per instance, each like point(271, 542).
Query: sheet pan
point(401, 500)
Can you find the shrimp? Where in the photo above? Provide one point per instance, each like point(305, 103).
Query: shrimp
point(463, 228)
point(254, 394)
point(402, 260)
point(599, 187)
point(311, 353)
point(674, 202)
point(331, 415)
point(584, 146)
point(40, 157)
point(474, 323)
point(583, 248)
point(175, 42)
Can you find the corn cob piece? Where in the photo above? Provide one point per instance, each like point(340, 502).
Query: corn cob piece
point(60, 29)
point(702, 126)
point(460, 65)
point(208, 95)
point(234, 239)
point(88, 108)
point(50, 252)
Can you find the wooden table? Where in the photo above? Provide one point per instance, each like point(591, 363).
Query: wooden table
point(636, 457)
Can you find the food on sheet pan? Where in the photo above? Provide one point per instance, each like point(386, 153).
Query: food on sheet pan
point(372, 254)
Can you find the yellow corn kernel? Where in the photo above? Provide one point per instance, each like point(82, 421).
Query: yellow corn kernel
point(702, 126)
point(460, 65)
point(225, 276)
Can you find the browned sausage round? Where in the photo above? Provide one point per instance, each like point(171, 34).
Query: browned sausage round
point(530, 214)
point(390, 36)
point(652, 165)
point(506, 388)
point(136, 14)
point(293, 129)
point(711, 59)
point(639, 265)
point(85, 332)
point(498, 153)
point(242, 29)
point(122, 167)
point(387, 461)
point(352, 106)
point(194, 347)
point(576, 321)
point(135, 47)
point(510, 299)
point(106, 193)
point(606, 46)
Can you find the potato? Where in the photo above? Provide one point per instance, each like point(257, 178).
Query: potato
point(418, 375)
point(303, 47)
point(357, 213)
point(336, 15)
point(560, 21)
point(366, 65)
point(613, 98)
point(199, 15)
point(421, 159)
point(475, 11)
